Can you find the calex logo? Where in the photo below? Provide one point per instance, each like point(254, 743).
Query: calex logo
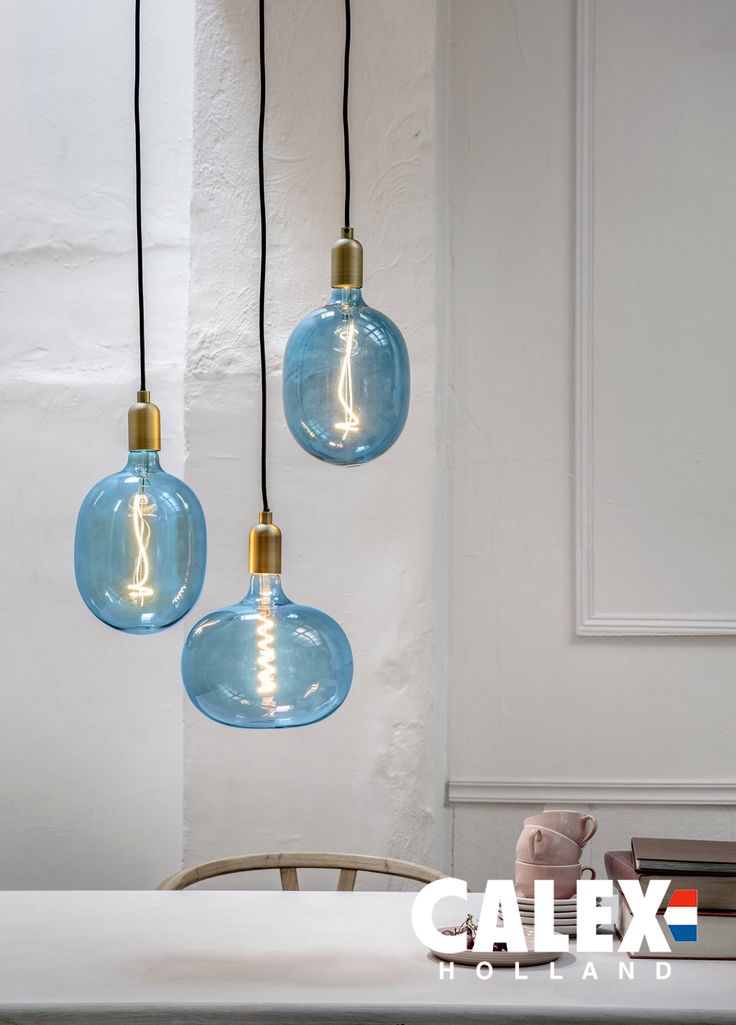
point(681, 916)
point(500, 895)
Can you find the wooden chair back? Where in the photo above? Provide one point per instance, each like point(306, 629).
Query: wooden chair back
point(288, 864)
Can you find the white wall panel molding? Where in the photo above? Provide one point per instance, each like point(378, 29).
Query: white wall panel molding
point(572, 792)
point(586, 621)
point(643, 539)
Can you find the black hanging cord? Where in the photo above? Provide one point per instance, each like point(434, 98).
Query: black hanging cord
point(345, 126)
point(139, 232)
point(262, 296)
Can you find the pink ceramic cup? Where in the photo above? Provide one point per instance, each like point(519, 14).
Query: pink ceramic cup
point(546, 847)
point(578, 825)
point(565, 878)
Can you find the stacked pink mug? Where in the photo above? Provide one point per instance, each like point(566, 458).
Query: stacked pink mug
point(551, 847)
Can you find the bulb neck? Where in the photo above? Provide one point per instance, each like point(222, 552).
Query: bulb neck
point(264, 547)
point(347, 261)
point(347, 297)
point(144, 424)
point(142, 462)
point(265, 589)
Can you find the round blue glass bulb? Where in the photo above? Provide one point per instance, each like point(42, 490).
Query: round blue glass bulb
point(266, 662)
point(140, 547)
point(346, 381)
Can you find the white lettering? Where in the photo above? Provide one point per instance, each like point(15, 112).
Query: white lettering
point(421, 915)
point(545, 937)
point(500, 893)
point(663, 970)
point(447, 970)
point(644, 908)
point(481, 967)
point(589, 971)
point(626, 968)
point(590, 915)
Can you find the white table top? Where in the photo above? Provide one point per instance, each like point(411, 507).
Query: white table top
point(268, 957)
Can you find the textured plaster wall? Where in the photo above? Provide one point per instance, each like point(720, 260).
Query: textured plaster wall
point(364, 544)
point(90, 731)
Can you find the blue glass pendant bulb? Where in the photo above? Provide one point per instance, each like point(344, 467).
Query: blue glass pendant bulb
point(141, 543)
point(266, 662)
point(346, 379)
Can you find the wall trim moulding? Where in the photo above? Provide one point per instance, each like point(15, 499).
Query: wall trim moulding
point(571, 792)
point(588, 621)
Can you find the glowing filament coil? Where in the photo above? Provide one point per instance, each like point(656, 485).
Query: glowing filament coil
point(351, 422)
point(266, 654)
point(140, 590)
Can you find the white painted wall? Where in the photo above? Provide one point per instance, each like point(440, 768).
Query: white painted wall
point(90, 731)
point(365, 544)
point(531, 701)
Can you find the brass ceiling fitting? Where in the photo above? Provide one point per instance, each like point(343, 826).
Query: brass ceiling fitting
point(144, 425)
point(264, 546)
point(347, 261)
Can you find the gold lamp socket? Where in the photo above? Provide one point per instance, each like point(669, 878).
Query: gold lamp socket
point(144, 424)
point(264, 546)
point(347, 261)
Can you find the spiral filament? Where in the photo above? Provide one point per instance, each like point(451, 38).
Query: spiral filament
point(266, 654)
point(141, 511)
point(351, 422)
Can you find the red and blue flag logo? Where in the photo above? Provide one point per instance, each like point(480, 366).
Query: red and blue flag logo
point(681, 916)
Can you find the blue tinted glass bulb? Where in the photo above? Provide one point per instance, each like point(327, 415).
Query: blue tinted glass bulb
point(140, 547)
point(346, 381)
point(266, 662)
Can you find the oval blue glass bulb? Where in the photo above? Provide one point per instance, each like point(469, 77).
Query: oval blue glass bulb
point(267, 663)
point(140, 547)
point(346, 381)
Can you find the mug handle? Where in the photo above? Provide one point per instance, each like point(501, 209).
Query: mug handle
point(587, 868)
point(532, 840)
point(591, 832)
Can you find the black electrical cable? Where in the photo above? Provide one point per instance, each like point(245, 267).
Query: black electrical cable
point(345, 126)
point(262, 295)
point(138, 218)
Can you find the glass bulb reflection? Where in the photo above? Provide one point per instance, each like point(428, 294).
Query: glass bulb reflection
point(346, 381)
point(140, 547)
point(267, 662)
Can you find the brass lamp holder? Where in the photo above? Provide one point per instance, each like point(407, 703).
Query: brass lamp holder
point(347, 261)
point(264, 546)
point(144, 424)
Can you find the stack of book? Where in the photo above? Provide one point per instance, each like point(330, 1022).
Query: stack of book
point(705, 866)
